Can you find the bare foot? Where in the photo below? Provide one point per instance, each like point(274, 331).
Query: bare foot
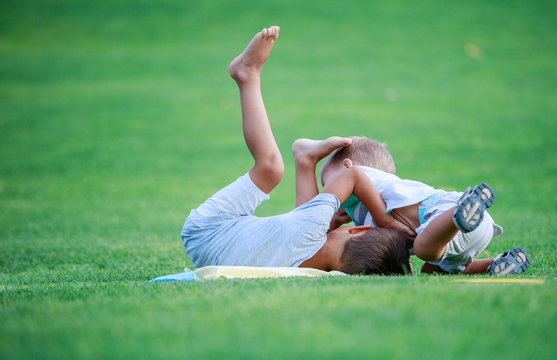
point(309, 152)
point(250, 62)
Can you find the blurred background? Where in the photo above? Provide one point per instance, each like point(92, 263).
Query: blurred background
point(118, 117)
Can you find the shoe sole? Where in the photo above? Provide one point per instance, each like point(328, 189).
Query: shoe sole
point(514, 262)
point(470, 211)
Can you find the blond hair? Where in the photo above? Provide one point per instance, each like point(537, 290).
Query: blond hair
point(366, 152)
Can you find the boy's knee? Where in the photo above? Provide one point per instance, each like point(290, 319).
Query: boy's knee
point(275, 173)
point(426, 254)
point(272, 168)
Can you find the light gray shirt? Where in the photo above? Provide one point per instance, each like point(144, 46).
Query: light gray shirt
point(224, 231)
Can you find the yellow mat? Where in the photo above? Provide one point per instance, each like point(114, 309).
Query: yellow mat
point(499, 281)
point(246, 272)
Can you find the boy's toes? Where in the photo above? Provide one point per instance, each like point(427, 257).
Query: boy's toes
point(270, 32)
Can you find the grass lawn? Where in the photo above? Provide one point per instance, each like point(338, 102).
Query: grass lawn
point(118, 117)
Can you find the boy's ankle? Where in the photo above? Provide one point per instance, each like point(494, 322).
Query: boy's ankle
point(305, 163)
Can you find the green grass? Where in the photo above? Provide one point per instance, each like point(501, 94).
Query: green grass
point(117, 118)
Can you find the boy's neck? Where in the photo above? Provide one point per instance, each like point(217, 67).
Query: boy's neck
point(329, 256)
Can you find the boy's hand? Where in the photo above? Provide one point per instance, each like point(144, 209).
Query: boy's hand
point(339, 218)
point(398, 226)
point(401, 220)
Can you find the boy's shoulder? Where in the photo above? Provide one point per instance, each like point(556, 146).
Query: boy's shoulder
point(371, 171)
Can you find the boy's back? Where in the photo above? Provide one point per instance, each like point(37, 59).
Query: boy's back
point(395, 192)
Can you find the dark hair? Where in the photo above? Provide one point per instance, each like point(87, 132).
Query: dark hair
point(377, 251)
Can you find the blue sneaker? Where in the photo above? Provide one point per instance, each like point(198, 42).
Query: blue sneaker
point(470, 210)
point(513, 261)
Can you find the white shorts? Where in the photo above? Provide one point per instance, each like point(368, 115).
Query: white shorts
point(238, 199)
point(464, 247)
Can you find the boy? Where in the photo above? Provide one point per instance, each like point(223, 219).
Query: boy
point(224, 231)
point(369, 153)
point(452, 227)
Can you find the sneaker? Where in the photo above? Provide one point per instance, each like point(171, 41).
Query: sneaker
point(513, 261)
point(469, 212)
point(466, 192)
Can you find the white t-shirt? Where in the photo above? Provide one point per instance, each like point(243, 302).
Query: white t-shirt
point(394, 191)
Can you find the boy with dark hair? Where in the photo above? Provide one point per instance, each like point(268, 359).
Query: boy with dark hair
point(366, 254)
point(224, 231)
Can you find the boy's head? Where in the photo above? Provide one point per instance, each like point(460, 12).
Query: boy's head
point(363, 152)
point(377, 251)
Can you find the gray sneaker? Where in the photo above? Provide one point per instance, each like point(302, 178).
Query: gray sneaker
point(513, 261)
point(470, 210)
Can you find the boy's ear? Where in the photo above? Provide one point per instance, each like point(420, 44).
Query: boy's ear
point(347, 163)
point(359, 229)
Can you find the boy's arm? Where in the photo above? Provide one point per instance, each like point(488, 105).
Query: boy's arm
point(354, 180)
point(339, 218)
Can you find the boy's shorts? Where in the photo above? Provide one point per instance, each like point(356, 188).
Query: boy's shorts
point(464, 247)
point(224, 231)
point(239, 198)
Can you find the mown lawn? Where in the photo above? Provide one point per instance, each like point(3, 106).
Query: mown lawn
point(117, 118)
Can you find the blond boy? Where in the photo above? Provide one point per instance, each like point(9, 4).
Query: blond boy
point(452, 228)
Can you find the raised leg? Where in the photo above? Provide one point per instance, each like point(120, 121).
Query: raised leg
point(430, 244)
point(307, 154)
point(246, 71)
